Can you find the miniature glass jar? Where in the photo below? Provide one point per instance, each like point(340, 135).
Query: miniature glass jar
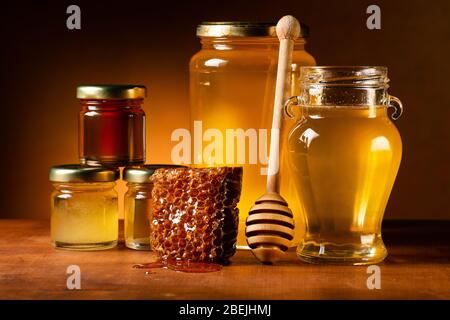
point(345, 153)
point(84, 207)
point(232, 86)
point(138, 205)
point(111, 125)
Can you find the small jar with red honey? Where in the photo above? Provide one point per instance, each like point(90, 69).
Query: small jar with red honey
point(111, 125)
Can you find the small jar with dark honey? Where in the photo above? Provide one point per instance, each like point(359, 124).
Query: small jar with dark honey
point(111, 125)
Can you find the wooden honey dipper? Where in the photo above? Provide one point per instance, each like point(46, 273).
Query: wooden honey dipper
point(270, 223)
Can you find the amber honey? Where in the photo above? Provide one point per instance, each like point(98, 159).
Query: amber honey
point(344, 161)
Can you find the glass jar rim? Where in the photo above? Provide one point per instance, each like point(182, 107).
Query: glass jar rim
point(345, 76)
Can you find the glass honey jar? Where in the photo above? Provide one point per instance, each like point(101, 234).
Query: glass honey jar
point(138, 205)
point(232, 87)
point(344, 154)
point(111, 125)
point(84, 207)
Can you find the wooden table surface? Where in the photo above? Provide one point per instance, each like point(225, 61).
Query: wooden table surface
point(418, 267)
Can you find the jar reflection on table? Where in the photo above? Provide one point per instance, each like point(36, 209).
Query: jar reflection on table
point(345, 153)
point(232, 86)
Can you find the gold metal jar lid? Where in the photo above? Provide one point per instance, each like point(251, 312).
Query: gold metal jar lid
point(142, 174)
point(81, 173)
point(242, 29)
point(111, 91)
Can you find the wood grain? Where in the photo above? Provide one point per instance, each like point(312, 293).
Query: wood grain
point(418, 267)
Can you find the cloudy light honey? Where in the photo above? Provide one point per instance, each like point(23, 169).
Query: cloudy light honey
point(85, 216)
point(232, 87)
point(84, 208)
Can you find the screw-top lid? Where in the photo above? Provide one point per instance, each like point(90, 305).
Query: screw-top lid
point(111, 91)
point(81, 173)
point(142, 174)
point(242, 29)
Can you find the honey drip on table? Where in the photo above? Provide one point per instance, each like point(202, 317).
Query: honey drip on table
point(181, 266)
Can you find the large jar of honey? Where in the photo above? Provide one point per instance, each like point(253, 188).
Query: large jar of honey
point(232, 86)
point(344, 154)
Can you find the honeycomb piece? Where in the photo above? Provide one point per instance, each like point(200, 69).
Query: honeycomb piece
point(195, 214)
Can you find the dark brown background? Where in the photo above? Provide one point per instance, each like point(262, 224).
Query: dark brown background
point(151, 42)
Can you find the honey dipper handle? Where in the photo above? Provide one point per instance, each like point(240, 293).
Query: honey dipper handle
point(288, 29)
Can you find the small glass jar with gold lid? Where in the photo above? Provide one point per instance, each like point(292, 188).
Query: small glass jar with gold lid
point(84, 207)
point(112, 124)
point(138, 205)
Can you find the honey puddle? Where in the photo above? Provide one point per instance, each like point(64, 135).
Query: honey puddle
point(181, 266)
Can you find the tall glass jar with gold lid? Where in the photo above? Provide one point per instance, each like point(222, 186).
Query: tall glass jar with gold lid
point(232, 86)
